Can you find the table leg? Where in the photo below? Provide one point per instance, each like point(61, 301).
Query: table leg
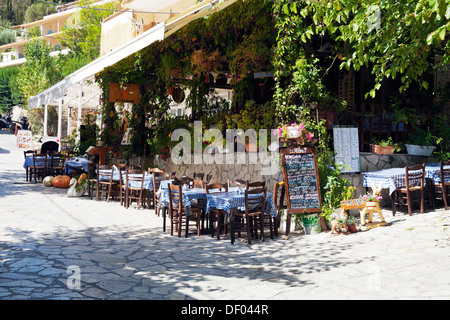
point(164, 211)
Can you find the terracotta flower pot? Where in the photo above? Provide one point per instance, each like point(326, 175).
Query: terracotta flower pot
point(352, 228)
point(376, 148)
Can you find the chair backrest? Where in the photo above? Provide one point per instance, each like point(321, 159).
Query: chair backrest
point(92, 170)
point(445, 172)
point(255, 200)
point(216, 187)
point(106, 174)
point(208, 178)
point(198, 175)
point(279, 191)
point(151, 170)
point(175, 197)
point(56, 160)
point(135, 175)
point(256, 184)
point(157, 178)
point(29, 153)
point(40, 160)
point(187, 181)
point(415, 175)
point(199, 184)
point(237, 183)
point(121, 166)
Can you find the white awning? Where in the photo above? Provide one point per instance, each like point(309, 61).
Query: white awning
point(157, 33)
point(59, 90)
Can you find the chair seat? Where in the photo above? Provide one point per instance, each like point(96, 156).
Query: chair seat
point(410, 189)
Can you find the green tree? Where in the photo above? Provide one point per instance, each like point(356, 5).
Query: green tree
point(83, 32)
point(9, 96)
point(395, 39)
point(40, 71)
point(38, 10)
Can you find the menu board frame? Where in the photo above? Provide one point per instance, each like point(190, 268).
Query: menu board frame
point(346, 146)
point(301, 151)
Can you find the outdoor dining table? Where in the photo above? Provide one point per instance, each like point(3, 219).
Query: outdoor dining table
point(394, 178)
point(76, 163)
point(40, 161)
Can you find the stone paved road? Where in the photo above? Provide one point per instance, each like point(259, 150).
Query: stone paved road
point(55, 247)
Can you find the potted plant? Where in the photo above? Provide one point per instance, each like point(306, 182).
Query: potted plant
point(295, 131)
point(351, 222)
point(386, 146)
point(371, 200)
point(421, 143)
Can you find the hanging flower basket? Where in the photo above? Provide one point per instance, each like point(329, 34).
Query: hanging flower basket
point(295, 131)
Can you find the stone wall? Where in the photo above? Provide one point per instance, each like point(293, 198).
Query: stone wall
point(255, 171)
point(373, 162)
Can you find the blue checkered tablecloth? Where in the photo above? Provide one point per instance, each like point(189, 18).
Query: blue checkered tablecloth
point(39, 161)
point(235, 200)
point(394, 178)
point(189, 195)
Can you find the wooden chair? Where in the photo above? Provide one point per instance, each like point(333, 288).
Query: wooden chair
point(157, 178)
point(217, 215)
point(27, 153)
point(105, 181)
point(256, 184)
point(198, 176)
point(440, 188)
point(187, 181)
point(122, 168)
point(414, 183)
point(135, 191)
point(198, 184)
point(57, 161)
point(252, 217)
point(177, 212)
point(91, 179)
point(237, 183)
point(208, 178)
point(39, 168)
point(279, 191)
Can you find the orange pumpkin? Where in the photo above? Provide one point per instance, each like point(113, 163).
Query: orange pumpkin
point(61, 181)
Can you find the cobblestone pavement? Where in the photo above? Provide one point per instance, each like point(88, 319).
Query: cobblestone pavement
point(56, 247)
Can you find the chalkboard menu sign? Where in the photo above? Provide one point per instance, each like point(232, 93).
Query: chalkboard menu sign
point(302, 183)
